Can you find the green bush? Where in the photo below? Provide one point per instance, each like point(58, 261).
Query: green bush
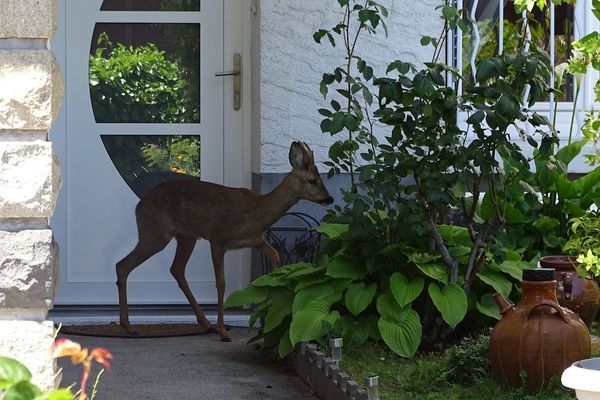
point(137, 84)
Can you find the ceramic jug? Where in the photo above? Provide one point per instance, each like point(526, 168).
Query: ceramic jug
point(579, 295)
point(537, 339)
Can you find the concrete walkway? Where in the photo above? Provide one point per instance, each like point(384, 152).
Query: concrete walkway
point(188, 368)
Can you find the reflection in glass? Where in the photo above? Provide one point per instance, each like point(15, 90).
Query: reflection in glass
point(146, 160)
point(150, 5)
point(487, 16)
point(145, 73)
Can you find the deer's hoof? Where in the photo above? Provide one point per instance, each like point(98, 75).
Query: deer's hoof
point(222, 333)
point(225, 339)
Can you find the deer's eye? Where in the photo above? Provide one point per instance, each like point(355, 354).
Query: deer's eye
point(312, 181)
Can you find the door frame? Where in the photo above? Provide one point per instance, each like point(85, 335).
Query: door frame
point(237, 125)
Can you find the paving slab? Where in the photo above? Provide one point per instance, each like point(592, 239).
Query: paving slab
point(188, 368)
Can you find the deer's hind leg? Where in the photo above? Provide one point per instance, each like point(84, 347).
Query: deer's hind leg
point(146, 247)
point(185, 247)
point(270, 252)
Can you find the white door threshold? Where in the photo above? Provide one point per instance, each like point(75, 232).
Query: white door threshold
point(102, 315)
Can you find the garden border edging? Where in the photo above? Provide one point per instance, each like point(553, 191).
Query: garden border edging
point(324, 375)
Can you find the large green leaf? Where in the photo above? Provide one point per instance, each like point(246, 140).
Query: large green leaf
point(333, 231)
point(403, 290)
point(359, 296)
point(497, 280)
point(260, 311)
point(487, 306)
point(389, 309)
point(402, 337)
point(392, 250)
point(271, 280)
point(332, 318)
point(314, 292)
point(23, 390)
point(435, 270)
point(586, 183)
point(455, 235)
point(545, 223)
point(567, 153)
point(345, 267)
point(285, 345)
point(512, 214)
point(486, 210)
point(60, 394)
point(308, 269)
point(514, 268)
point(12, 371)
point(451, 302)
point(308, 281)
point(249, 295)
point(307, 323)
point(280, 306)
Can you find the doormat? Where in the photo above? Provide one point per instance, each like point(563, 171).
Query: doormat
point(143, 331)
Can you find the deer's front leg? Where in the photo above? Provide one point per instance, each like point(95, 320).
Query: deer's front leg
point(218, 254)
point(270, 251)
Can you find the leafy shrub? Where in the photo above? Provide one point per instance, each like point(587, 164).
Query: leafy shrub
point(136, 84)
point(420, 246)
point(543, 200)
point(177, 154)
point(469, 362)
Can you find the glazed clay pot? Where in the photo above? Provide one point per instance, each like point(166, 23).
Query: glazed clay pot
point(579, 295)
point(537, 339)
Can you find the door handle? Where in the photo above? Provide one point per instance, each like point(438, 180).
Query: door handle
point(237, 80)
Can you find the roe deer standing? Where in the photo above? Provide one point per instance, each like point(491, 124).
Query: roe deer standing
point(228, 218)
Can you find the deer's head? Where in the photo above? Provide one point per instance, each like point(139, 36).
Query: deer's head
point(310, 185)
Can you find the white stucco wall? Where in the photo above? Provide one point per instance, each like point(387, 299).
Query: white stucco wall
point(292, 64)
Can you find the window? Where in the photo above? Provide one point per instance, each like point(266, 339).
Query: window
point(499, 27)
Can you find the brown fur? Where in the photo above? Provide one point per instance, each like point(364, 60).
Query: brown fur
point(229, 218)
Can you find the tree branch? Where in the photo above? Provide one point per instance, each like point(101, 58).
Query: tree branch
point(439, 241)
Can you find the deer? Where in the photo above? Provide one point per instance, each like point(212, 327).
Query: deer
point(229, 218)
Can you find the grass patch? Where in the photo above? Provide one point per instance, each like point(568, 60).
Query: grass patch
point(461, 373)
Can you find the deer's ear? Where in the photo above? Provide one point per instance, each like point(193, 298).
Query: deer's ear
point(309, 156)
point(297, 156)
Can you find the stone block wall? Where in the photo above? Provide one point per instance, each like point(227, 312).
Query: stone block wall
point(31, 90)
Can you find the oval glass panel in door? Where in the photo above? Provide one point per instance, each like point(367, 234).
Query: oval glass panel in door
point(145, 73)
point(150, 5)
point(144, 161)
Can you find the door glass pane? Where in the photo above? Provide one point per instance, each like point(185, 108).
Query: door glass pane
point(145, 73)
point(144, 161)
point(150, 5)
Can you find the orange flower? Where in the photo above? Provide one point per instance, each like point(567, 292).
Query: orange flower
point(67, 348)
point(100, 355)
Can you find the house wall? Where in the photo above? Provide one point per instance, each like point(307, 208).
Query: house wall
point(292, 64)
point(289, 65)
point(31, 92)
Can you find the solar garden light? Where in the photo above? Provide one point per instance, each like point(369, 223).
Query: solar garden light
point(372, 384)
point(336, 349)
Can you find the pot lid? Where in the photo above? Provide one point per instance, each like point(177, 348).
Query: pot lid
point(538, 274)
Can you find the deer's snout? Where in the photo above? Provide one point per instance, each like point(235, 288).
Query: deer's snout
point(327, 201)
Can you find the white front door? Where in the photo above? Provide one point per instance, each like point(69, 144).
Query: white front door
point(142, 104)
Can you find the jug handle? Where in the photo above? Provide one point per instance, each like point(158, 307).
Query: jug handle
point(552, 304)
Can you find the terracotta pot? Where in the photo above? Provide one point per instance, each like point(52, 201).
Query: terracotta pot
point(577, 294)
point(537, 339)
